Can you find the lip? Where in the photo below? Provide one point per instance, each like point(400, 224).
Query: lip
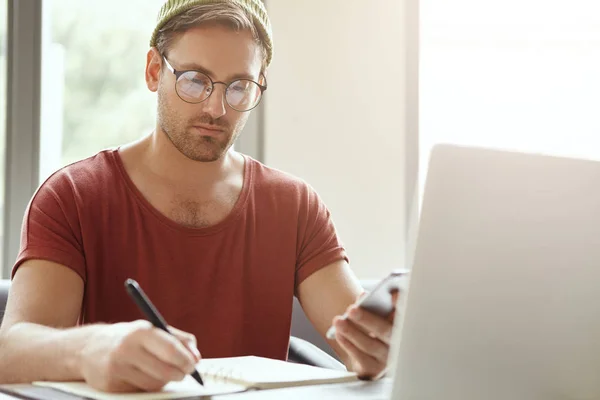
point(207, 130)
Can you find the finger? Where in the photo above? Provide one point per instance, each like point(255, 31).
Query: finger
point(168, 349)
point(395, 294)
point(368, 367)
point(188, 340)
point(152, 366)
point(373, 324)
point(141, 380)
point(365, 343)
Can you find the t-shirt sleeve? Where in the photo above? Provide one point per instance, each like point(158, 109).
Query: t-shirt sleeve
point(318, 241)
point(51, 229)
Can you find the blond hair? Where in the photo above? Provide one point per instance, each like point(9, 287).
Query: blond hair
point(229, 14)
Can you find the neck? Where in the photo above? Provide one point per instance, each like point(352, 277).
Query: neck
point(164, 160)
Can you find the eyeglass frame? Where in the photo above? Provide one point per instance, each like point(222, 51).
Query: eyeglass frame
point(177, 73)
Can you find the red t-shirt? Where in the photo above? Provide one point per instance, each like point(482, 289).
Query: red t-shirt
point(231, 284)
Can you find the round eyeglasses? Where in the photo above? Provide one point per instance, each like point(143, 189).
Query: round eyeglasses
point(195, 87)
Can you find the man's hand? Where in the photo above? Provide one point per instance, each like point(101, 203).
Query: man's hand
point(136, 356)
point(365, 337)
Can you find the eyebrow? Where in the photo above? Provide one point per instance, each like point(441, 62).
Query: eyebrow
point(196, 67)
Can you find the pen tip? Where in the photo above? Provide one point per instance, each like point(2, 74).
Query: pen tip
point(197, 377)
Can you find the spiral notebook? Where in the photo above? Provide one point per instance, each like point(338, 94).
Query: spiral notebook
point(224, 375)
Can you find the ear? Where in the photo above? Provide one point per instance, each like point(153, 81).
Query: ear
point(153, 69)
point(262, 78)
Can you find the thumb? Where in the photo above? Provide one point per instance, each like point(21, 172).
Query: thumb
point(395, 294)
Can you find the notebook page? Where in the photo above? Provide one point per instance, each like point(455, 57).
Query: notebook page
point(173, 390)
point(266, 372)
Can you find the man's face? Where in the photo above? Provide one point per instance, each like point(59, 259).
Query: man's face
point(205, 131)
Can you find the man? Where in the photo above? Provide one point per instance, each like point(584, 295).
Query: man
point(220, 242)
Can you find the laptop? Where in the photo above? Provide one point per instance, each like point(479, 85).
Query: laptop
point(504, 294)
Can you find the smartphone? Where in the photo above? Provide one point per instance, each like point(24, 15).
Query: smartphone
point(379, 300)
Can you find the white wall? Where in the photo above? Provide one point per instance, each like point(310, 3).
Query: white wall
point(335, 116)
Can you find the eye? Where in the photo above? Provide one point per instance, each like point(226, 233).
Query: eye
point(194, 85)
point(239, 87)
point(196, 78)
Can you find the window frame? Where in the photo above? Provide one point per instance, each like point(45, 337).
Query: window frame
point(23, 96)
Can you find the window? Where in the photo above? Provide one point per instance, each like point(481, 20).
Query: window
point(516, 74)
point(94, 94)
point(3, 32)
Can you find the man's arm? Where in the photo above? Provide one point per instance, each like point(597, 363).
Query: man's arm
point(328, 289)
point(43, 296)
point(328, 293)
point(38, 340)
point(363, 339)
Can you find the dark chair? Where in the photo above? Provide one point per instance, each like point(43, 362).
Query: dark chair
point(4, 286)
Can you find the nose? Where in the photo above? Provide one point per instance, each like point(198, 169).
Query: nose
point(215, 104)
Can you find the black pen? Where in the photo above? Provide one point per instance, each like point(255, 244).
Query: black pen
point(151, 313)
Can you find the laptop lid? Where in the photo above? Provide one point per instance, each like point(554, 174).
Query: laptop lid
point(504, 293)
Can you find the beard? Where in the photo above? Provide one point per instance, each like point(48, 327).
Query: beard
point(189, 142)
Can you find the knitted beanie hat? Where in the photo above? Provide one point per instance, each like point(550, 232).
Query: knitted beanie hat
point(255, 8)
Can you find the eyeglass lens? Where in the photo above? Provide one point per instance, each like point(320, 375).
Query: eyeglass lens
point(195, 87)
